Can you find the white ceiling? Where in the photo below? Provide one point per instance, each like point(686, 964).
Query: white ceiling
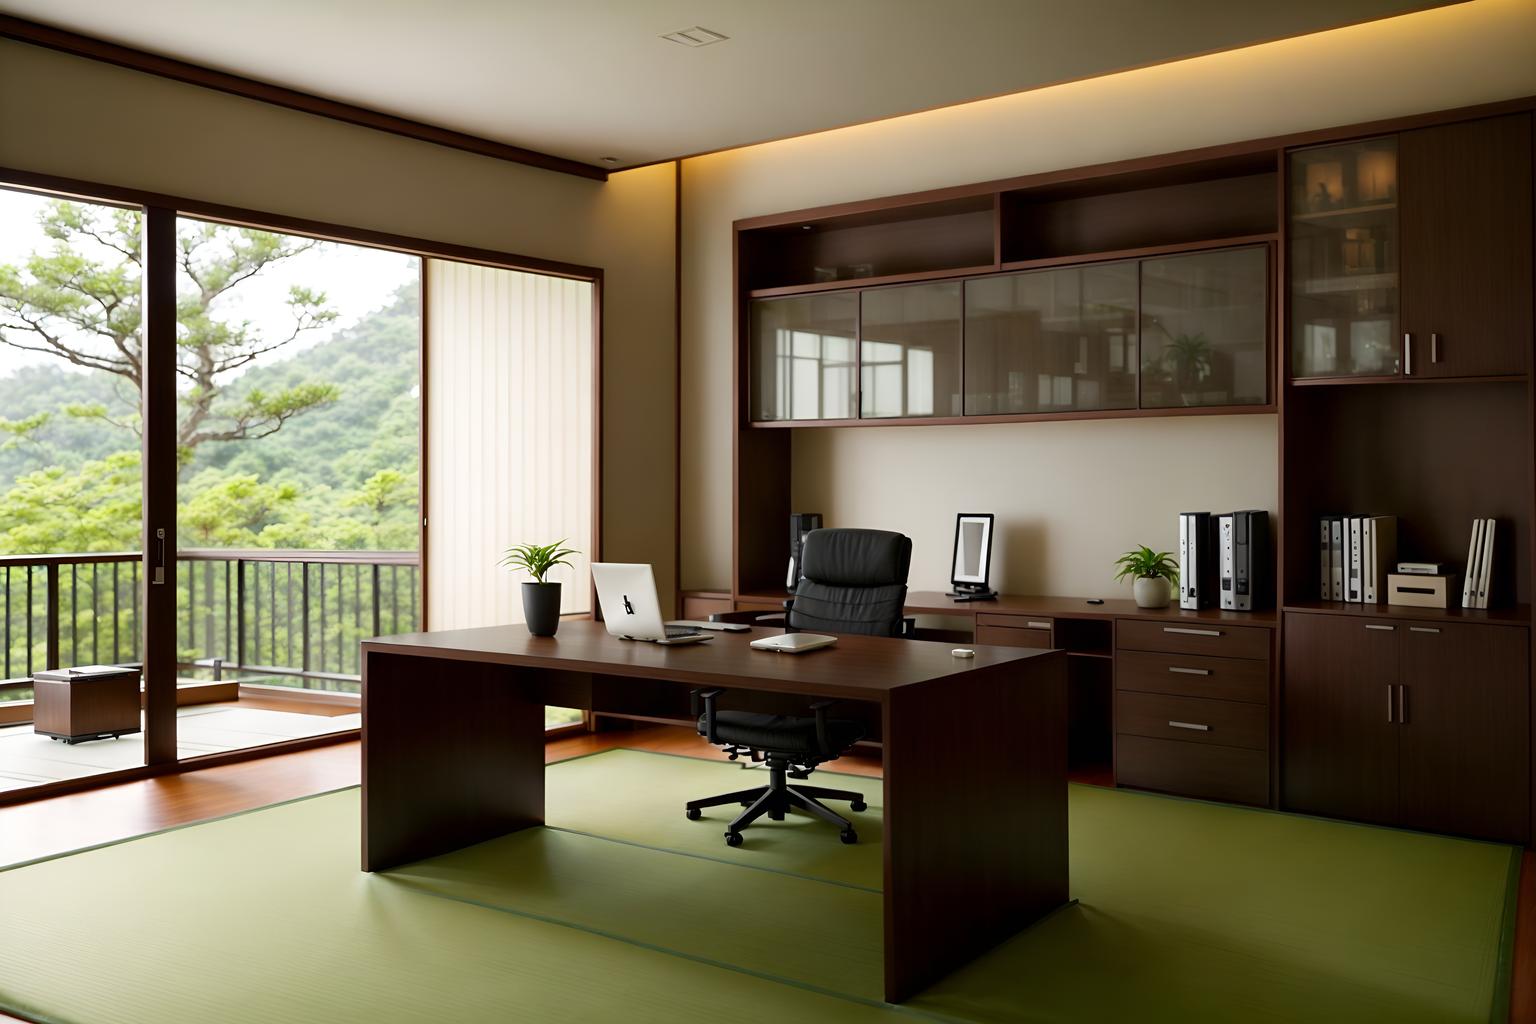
point(587, 79)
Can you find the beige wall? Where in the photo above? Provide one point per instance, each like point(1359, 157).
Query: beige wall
point(76, 118)
point(1062, 530)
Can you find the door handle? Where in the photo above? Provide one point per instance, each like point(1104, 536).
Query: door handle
point(1389, 702)
point(1189, 725)
point(1408, 355)
point(1191, 632)
point(1384, 629)
point(1189, 671)
point(1422, 629)
point(1402, 704)
point(1434, 348)
point(158, 577)
point(1038, 625)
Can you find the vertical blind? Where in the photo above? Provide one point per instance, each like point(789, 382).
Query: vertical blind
point(509, 436)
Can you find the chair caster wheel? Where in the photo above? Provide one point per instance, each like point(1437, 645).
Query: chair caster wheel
point(733, 839)
point(848, 836)
point(694, 814)
point(858, 805)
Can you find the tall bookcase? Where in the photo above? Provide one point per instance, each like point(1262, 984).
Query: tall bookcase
point(1397, 351)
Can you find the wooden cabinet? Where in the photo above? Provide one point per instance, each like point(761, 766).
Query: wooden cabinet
point(1463, 717)
point(1410, 255)
point(1466, 261)
point(803, 360)
point(909, 351)
point(1205, 329)
point(1192, 709)
point(1339, 729)
point(1418, 724)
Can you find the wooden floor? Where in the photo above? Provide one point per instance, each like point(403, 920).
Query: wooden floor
point(64, 823)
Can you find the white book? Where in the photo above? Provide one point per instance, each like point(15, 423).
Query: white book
point(1367, 587)
point(1380, 554)
point(1485, 571)
point(1326, 592)
point(1354, 560)
point(1474, 553)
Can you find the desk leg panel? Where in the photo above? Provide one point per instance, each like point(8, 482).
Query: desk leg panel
point(453, 754)
point(975, 815)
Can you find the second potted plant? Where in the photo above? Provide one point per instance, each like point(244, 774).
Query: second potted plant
point(541, 597)
point(1153, 572)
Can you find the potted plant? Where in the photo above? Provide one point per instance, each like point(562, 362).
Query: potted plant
point(541, 598)
point(1153, 573)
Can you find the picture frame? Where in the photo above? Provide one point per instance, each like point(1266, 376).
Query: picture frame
point(971, 562)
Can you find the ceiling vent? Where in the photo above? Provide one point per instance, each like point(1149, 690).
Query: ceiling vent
point(695, 37)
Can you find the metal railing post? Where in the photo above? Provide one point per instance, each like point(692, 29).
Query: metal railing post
point(51, 623)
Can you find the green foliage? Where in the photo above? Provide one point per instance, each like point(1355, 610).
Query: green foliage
point(1144, 563)
point(537, 559)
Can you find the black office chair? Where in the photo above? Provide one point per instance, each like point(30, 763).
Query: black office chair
point(854, 581)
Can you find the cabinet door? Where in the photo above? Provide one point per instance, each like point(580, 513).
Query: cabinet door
point(1339, 733)
point(1466, 261)
point(1060, 340)
point(1342, 244)
point(909, 350)
point(1205, 329)
point(1464, 759)
point(804, 366)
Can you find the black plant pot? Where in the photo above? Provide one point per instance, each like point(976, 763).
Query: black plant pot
point(541, 607)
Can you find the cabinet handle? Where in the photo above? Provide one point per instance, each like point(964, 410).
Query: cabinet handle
point(1408, 355)
point(158, 576)
point(1189, 671)
point(1038, 625)
point(1189, 725)
point(1402, 704)
point(1422, 629)
point(1389, 702)
point(1434, 348)
point(1384, 629)
point(1191, 632)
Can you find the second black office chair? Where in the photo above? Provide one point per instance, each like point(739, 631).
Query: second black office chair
point(853, 581)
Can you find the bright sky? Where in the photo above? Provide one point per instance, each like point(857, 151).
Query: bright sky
point(355, 280)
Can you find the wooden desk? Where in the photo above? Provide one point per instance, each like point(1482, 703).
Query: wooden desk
point(975, 758)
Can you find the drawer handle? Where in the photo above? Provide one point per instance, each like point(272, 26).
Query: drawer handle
point(1422, 629)
point(1189, 725)
point(1182, 631)
point(1385, 629)
point(1189, 671)
point(1039, 625)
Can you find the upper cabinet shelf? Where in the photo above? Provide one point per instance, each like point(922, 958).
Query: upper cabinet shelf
point(1410, 254)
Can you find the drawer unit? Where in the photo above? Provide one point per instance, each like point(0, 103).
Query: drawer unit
point(1014, 631)
point(1190, 675)
point(1212, 638)
point(1233, 774)
point(1226, 723)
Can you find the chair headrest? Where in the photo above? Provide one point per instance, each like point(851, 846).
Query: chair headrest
point(856, 558)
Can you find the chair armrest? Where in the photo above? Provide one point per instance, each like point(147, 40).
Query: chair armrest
point(707, 697)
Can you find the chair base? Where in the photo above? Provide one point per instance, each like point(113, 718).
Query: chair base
point(777, 799)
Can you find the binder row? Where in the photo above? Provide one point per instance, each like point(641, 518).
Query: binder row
point(1356, 554)
point(1224, 560)
point(1474, 589)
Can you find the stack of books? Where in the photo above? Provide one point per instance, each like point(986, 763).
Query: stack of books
point(1474, 589)
point(1356, 554)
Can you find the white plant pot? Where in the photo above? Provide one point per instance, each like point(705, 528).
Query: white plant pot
point(1151, 592)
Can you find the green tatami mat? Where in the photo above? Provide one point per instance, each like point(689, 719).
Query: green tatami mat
point(1189, 912)
point(265, 918)
point(639, 796)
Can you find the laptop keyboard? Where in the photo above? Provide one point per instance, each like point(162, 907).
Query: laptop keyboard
point(673, 632)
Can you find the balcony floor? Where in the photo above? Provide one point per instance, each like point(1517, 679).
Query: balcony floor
point(27, 759)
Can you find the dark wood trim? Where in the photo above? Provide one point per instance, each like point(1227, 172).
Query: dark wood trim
point(190, 764)
point(677, 392)
point(159, 466)
point(77, 45)
point(1020, 417)
point(1143, 252)
point(1314, 382)
point(1161, 161)
point(95, 192)
point(856, 284)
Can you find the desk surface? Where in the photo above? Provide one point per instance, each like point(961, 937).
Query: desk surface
point(932, 602)
point(857, 667)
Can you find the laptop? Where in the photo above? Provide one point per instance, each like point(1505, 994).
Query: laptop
point(627, 593)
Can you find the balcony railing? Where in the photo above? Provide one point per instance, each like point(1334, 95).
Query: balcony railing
point(296, 616)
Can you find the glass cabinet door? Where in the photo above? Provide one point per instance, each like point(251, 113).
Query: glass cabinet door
point(1205, 329)
point(910, 351)
point(804, 366)
point(1343, 260)
point(1059, 340)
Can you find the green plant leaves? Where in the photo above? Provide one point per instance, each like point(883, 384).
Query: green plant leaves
point(1143, 562)
point(537, 559)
